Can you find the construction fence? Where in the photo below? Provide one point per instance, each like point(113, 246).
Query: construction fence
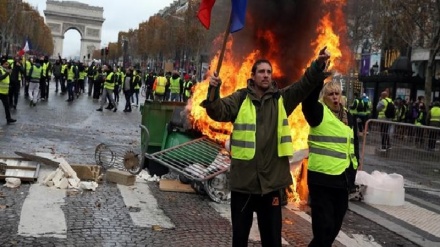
point(409, 150)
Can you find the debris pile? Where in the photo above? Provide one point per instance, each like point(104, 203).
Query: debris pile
point(64, 177)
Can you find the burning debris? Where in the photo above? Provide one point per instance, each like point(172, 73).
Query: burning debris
point(288, 33)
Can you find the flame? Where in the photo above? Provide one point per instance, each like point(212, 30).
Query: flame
point(236, 71)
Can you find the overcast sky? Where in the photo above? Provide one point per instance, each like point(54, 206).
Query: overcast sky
point(120, 15)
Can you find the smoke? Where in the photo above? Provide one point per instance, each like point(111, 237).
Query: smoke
point(293, 25)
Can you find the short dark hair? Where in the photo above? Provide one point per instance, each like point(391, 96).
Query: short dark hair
point(258, 62)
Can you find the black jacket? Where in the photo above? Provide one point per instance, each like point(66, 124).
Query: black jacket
point(313, 111)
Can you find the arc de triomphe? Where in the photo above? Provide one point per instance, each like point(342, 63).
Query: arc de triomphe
point(67, 15)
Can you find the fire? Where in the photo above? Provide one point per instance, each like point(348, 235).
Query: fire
point(235, 72)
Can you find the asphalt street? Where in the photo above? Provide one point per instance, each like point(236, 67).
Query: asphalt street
point(141, 215)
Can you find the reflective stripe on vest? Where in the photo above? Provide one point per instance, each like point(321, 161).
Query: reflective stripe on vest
point(109, 84)
point(331, 146)
point(4, 84)
point(36, 72)
point(435, 114)
point(161, 83)
point(243, 136)
point(175, 85)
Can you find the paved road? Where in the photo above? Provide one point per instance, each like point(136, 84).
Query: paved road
point(142, 215)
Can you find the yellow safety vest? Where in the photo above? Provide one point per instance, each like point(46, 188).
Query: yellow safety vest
point(137, 80)
point(331, 146)
point(435, 114)
point(187, 91)
point(243, 136)
point(354, 111)
point(70, 74)
point(109, 84)
point(36, 72)
point(82, 75)
point(28, 66)
point(381, 114)
point(63, 68)
point(161, 84)
point(44, 68)
point(4, 84)
point(175, 85)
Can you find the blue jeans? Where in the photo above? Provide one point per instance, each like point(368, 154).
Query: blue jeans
point(70, 85)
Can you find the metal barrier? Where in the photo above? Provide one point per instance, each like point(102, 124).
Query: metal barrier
point(407, 149)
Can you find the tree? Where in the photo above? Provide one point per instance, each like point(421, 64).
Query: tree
point(415, 23)
point(18, 22)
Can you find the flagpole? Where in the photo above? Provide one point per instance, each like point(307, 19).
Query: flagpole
point(222, 55)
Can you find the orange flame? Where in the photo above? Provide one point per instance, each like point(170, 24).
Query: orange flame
point(235, 77)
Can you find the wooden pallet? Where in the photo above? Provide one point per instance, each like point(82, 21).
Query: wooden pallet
point(21, 168)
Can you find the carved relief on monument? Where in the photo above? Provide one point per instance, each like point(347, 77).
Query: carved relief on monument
point(92, 32)
point(55, 27)
point(67, 26)
point(90, 49)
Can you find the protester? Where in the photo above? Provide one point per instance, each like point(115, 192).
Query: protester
point(384, 127)
point(5, 71)
point(15, 78)
point(35, 75)
point(128, 88)
point(109, 86)
point(175, 82)
point(333, 160)
point(159, 87)
point(260, 145)
point(433, 119)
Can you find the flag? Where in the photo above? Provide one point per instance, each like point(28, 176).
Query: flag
point(24, 50)
point(204, 13)
point(238, 15)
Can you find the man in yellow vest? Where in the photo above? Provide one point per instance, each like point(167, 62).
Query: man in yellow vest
point(47, 76)
point(15, 81)
point(187, 87)
point(433, 119)
point(5, 71)
point(381, 107)
point(260, 145)
point(175, 82)
point(70, 73)
point(333, 160)
point(109, 87)
point(35, 74)
point(27, 67)
point(159, 87)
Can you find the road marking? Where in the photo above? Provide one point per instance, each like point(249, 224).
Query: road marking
point(146, 212)
point(41, 214)
point(225, 211)
point(414, 215)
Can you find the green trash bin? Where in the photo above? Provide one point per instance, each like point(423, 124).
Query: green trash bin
point(155, 116)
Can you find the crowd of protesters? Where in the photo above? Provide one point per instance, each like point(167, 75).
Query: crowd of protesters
point(410, 112)
point(35, 75)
